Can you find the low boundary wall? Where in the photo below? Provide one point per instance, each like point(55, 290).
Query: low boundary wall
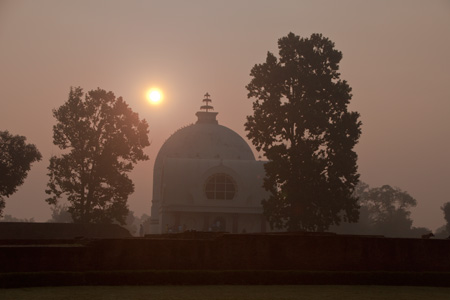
point(307, 252)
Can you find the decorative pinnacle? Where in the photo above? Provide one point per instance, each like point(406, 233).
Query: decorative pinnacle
point(207, 100)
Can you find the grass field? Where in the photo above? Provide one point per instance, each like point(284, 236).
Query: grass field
point(225, 292)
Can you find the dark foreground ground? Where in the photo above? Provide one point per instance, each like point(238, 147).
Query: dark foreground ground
point(222, 277)
point(225, 292)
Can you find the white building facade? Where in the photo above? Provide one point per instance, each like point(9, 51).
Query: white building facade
point(206, 178)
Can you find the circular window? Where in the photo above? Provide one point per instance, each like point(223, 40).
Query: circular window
point(220, 187)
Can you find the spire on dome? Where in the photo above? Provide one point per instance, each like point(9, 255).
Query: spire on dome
point(207, 100)
point(205, 116)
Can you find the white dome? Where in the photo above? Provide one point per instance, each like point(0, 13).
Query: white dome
point(205, 141)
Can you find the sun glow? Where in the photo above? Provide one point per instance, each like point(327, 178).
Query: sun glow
point(154, 96)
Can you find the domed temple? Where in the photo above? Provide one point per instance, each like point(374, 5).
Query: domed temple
point(206, 178)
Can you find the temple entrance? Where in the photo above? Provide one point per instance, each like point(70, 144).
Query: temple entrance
point(219, 224)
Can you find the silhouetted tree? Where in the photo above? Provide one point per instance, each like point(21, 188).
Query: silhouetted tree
point(103, 139)
point(389, 211)
point(416, 232)
point(383, 211)
point(10, 218)
point(441, 232)
point(446, 209)
point(131, 223)
point(60, 214)
point(386, 203)
point(16, 157)
point(302, 125)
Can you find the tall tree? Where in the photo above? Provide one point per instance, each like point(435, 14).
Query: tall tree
point(103, 139)
point(302, 125)
point(16, 157)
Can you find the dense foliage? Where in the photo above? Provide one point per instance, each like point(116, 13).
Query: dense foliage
point(16, 157)
point(384, 210)
point(302, 125)
point(103, 139)
point(446, 209)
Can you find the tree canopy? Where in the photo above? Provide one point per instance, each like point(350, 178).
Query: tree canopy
point(388, 209)
point(386, 201)
point(446, 210)
point(301, 123)
point(60, 214)
point(16, 157)
point(102, 139)
point(384, 210)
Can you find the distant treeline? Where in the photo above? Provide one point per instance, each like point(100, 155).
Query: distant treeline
point(386, 211)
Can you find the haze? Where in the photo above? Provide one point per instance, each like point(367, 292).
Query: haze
point(396, 59)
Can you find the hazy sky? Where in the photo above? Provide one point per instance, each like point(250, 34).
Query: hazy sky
point(396, 59)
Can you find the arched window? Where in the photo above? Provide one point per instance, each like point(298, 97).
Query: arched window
point(220, 187)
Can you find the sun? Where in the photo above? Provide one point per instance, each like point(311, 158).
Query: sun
point(154, 96)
